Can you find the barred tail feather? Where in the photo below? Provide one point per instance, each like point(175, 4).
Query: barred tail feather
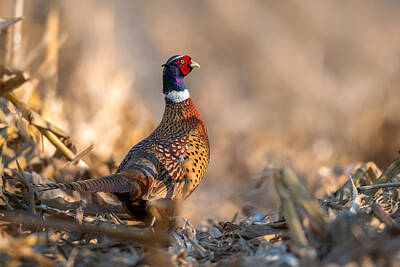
point(113, 183)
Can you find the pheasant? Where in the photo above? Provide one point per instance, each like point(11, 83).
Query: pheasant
point(168, 164)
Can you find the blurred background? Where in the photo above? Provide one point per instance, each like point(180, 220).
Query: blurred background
point(316, 85)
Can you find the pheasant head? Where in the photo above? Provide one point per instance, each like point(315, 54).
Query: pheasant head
point(175, 69)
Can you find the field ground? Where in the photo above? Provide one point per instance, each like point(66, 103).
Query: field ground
point(301, 106)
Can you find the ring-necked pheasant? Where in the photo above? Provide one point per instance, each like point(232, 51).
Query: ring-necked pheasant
point(170, 162)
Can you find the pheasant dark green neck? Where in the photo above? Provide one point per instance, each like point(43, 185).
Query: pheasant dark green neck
point(172, 80)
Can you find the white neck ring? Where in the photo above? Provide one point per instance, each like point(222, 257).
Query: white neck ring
point(178, 96)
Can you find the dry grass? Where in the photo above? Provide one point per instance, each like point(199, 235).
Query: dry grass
point(315, 84)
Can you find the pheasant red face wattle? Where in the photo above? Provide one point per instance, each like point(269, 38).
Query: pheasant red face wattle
point(186, 64)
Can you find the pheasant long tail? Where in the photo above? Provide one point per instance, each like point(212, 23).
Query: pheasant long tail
point(115, 183)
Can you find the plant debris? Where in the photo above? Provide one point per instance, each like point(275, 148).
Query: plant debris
point(355, 222)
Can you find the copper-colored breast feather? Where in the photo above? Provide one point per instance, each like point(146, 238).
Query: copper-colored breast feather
point(182, 156)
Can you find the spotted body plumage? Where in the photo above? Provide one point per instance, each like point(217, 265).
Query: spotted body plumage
point(173, 159)
point(168, 164)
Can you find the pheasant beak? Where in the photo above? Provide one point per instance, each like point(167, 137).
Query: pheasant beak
point(194, 65)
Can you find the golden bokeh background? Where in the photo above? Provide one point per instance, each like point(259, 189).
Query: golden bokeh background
point(315, 84)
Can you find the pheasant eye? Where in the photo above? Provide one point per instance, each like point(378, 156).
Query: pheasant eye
point(182, 61)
